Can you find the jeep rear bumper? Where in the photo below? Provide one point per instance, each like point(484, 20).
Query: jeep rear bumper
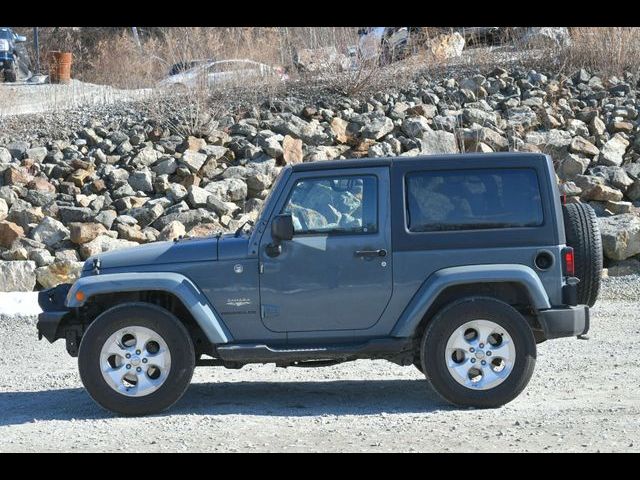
point(564, 321)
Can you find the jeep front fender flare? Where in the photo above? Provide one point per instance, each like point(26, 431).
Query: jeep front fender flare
point(447, 277)
point(173, 283)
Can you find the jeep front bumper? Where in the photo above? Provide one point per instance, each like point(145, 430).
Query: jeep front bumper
point(568, 321)
point(52, 303)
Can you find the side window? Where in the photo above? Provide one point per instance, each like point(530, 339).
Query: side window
point(336, 205)
point(473, 199)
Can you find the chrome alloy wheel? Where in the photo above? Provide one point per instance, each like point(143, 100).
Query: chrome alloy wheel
point(480, 355)
point(135, 361)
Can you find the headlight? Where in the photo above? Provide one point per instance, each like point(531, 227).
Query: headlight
point(4, 45)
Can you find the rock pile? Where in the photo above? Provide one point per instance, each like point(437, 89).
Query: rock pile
point(115, 185)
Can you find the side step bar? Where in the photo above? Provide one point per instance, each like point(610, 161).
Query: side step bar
point(260, 353)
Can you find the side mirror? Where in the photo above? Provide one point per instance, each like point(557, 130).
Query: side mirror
point(282, 227)
point(281, 230)
point(20, 38)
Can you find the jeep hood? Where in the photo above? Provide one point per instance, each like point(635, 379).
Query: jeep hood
point(158, 253)
point(205, 249)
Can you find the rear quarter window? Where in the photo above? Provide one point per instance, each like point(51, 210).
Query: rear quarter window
point(473, 199)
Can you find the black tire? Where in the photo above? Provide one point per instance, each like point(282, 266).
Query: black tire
point(10, 75)
point(444, 325)
point(583, 235)
point(159, 320)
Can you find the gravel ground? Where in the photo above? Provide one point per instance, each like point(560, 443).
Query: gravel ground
point(583, 397)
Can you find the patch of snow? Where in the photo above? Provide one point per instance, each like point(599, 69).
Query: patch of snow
point(19, 303)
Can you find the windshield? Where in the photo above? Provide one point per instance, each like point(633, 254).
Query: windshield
point(6, 34)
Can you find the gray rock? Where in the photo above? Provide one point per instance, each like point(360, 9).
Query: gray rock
point(620, 236)
point(66, 271)
point(615, 176)
point(613, 151)
point(414, 127)
point(481, 117)
point(193, 160)
point(375, 125)
point(141, 180)
point(309, 132)
point(633, 192)
point(117, 176)
point(75, 214)
point(18, 149)
point(17, 276)
point(220, 207)
point(146, 214)
point(521, 117)
point(106, 218)
point(4, 209)
point(630, 266)
point(8, 194)
point(271, 145)
point(5, 155)
point(104, 243)
point(50, 232)
point(176, 192)
point(166, 166)
point(146, 157)
point(546, 37)
point(257, 182)
point(229, 189)
point(67, 255)
point(37, 153)
point(197, 197)
point(572, 165)
point(41, 256)
point(438, 141)
point(189, 219)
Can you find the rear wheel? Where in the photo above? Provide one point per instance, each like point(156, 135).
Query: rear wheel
point(10, 75)
point(583, 235)
point(136, 359)
point(478, 352)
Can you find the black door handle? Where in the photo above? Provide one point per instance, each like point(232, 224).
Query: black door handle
point(371, 253)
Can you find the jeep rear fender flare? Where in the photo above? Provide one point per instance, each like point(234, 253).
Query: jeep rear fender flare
point(435, 284)
point(173, 283)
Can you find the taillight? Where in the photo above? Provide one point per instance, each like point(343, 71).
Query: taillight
point(569, 262)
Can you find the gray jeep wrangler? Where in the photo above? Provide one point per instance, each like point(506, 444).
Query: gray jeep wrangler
point(457, 264)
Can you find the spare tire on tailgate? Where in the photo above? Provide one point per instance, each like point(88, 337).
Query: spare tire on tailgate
point(583, 235)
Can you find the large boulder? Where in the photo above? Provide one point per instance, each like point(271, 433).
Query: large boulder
point(50, 232)
point(9, 233)
point(104, 243)
point(546, 37)
point(438, 141)
point(613, 151)
point(321, 60)
point(59, 272)
point(620, 236)
point(446, 46)
point(17, 276)
point(85, 232)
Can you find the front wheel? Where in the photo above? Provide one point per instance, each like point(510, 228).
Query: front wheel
point(478, 352)
point(136, 359)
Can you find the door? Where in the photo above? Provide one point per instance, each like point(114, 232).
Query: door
point(335, 273)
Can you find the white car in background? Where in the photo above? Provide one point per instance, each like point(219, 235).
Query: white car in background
point(214, 73)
